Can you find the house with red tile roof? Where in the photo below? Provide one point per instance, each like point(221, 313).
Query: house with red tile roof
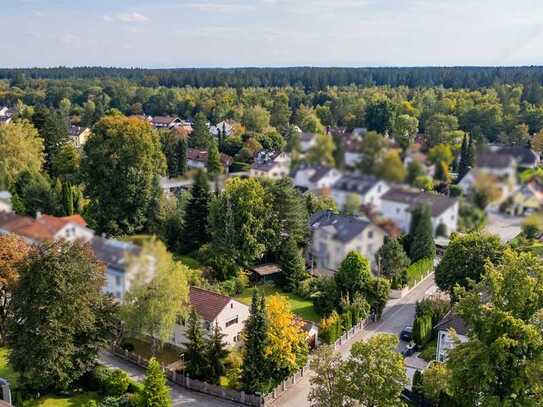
point(214, 308)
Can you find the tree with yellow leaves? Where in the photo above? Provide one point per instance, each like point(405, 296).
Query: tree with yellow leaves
point(287, 346)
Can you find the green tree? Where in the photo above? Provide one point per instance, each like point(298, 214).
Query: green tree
point(121, 166)
point(60, 317)
point(377, 292)
point(195, 229)
point(415, 170)
point(214, 165)
point(308, 120)
point(502, 363)
point(21, 149)
point(325, 295)
point(375, 372)
point(292, 265)
point(393, 262)
point(254, 374)
point(465, 259)
point(280, 112)
point(156, 392)
point(67, 163)
point(353, 204)
point(323, 151)
point(67, 199)
point(328, 384)
point(158, 294)
point(391, 169)
point(54, 132)
point(33, 193)
point(467, 156)
point(380, 116)
point(405, 129)
point(440, 129)
point(200, 137)
point(532, 226)
point(256, 119)
point(436, 382)
point(421, 236)
point(353, 274)
point(216, 354)
point(197, 363)
point(174, 147)
point(372, 147)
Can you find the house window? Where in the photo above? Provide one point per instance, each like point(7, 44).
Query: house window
point(231, 305)
point(370, 234)
point(233, 321)
point(207, 325)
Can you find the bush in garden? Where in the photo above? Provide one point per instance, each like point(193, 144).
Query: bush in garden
point(422, 329)
point(330, 328)
point(347, 320)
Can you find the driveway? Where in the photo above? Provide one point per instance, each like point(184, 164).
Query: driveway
point(180, 395)
point(397, 315)
point(505, 226)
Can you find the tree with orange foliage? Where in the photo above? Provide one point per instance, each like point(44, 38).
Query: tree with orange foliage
point(287, 346)
point(12, 251)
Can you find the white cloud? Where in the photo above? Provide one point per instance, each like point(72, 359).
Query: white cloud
point(127, 18)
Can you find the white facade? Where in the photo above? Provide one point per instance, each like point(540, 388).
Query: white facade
point(5, 201)
point(302, 178)
point(276, 168)
point(352, 159)
point(370, 197)
point(230, 320)
point(446, 342)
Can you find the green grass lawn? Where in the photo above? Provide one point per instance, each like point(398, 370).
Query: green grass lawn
point(6, 371)
point(79, 400)
point(301, 307)
point(429, 351)
point(191, 262)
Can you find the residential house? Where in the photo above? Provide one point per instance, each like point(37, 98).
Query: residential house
point(7, 114)
point(334, 236)
point(525, 157)
point(271, 164)
point(368, 188)
point(398, 203)
point(413, 154)
point(497, 167)
point(5, 201)
point(166, 122)
point(111, 252)
point(315, 177)
point(224, 127)
point(265, 272)
point(78, 135)
point(528, 199)
point(352, 155)
point(198, 159)
point(451, 327)
point(307, 141)
point(229, 314)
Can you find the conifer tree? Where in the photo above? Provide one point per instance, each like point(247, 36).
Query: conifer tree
point(292, 264)
point(254, 376)
point(216, 354)
point(421, 236)
point(182, 156)
point(201, 136)
point(196, 361)
point(214, 165)
point(156, 392)
point(195, 231)
point(67, 199)
point(393, 262)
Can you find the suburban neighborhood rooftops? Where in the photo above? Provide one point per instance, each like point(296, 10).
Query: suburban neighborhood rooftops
point(355, 183)
point(523, 155)
point(493, 159)
point(266, 269)
point(318, 171)
point(451, 320)
point(207, 304)
point(346, 228)
point(437, 203)
point(43, 228)
point(202, 155)
point(113, 252)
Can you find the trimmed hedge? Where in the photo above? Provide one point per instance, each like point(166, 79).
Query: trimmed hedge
point(418, 270)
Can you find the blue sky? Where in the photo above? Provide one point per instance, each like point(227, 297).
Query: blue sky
point(225, 33)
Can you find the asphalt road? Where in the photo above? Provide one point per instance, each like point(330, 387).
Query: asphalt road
point(396, 316)
point(180, 395)
point(505, 226)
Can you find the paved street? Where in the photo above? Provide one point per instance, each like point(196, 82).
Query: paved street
point(180, 395)
point(506, 227)
point(397, 315)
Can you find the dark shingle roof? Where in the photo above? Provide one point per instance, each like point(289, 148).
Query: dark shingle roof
point(355, 183)
point(491, 159)
point(453, 321)
point(523, 155)
point(207, 303)
point(346, 227)
point(438, 203)
point(307, 136)
point(113, 252)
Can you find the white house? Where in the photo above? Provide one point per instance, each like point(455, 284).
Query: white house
point(7, 114)
point(353, 155)
point(368, 188)
point(5, 201)
point(448, 328)
point(111, 252)
point(315, 177)
point(223, 127)
point(271, 164)
point(334, 236)
point(307, 141)
point(398, 203)
point(214, 308)
point(78, 135)
point(501, 167)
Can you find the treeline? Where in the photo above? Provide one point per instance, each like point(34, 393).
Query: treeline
point(308, 77)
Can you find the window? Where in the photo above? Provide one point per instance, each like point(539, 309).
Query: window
point(231, 322)
point(117, 280)
point(207, 325)
point(370, 234)
point(231, 305)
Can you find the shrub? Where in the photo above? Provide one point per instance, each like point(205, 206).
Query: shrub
point(532, 226)
point(330, 328)
point(347, 320)
point(422, 329)
point(305, 288)
point(106, 381)
point(455, 191)
point(419, 270)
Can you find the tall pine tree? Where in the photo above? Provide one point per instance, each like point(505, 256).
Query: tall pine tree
point(200, 137)
point(254, 374)
point(214, 165)
point(467, 156)
point(421, 235)
point(196, 361)
point(292, 264)
point(67, 199)
point(195, 230)
point(216, 354)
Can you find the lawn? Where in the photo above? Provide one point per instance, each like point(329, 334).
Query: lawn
point(429, 351)
point(191, 262)
point(6, 372)
point(301, 307)
point(79, 400)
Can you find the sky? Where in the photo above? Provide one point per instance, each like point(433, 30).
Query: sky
point(235, 33)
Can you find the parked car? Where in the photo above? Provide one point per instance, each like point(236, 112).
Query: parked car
point(409, 349)
point(407, 334)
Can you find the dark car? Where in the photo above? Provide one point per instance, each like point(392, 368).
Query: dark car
point(407, 334)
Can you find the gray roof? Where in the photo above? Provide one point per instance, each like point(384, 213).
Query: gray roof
point(307, 136)
point(112, 252)
point(355, 183)
point(523, 155)
point(75, 131)
point(491, 159)
point(320, 171)
point(346, 227)
point(451, 320)
point(437, 203)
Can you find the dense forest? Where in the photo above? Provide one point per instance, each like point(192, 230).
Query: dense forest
point(307, 77)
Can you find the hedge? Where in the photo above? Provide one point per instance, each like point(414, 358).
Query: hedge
point(418, 270)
